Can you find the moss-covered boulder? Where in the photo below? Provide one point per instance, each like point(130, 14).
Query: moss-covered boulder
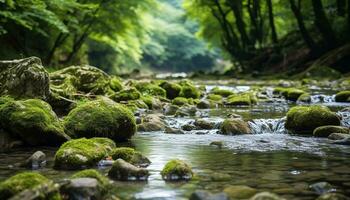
point(131, 156)
point(266, 196)
point(221, 92)
point(152, 102)
point(32, 121)
point(124, 171)
point(214, 97)
point(150, 89)
point(92, 173)
point(24, 78)
point(81, 153)
point(343, 96)
point(234, 127)
point(240, 192)
point(86, 79)
point(100, 118)
point(172, 89)
point(304, 119)
point(21, 182)
point(179, 101)
point(151, 122)
point(293, 94)
point(304, 98)
point(188, 90)
point(177, 170)
point(325, 131)
point(126, 95)
point(244, 99)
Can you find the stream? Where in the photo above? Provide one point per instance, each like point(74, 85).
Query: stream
point(268, 160)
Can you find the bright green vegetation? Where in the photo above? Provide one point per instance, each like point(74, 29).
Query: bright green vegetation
point(221, 92)
point(291, 94)
point(180, 101)
point(80, 153)
point(150, 89)
point(172, 89)
point(20, 182)
point(325, 131)
point(305, 119)
point(176, 169)
point(100, 118)
point(244, 99)
point(305, 98)
point(343, 96)
point(32, 121)
point(188, 90)
point(126, 95)
point(92, 173)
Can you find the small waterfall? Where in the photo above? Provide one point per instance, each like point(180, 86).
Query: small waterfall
point(275, 126)
point(321, 98)
point(345, 118)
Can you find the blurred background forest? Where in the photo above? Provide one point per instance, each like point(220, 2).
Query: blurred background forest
point(255, 37)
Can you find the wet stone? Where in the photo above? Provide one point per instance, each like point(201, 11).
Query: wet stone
point(204, 195)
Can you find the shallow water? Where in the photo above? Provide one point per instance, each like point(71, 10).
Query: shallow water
point(269, 160)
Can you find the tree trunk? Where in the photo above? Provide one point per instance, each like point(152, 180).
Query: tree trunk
point(303, 31)
point(349, 15)
point(272, 22)
point(323, 24)
point(341, 7)
point(58, 42)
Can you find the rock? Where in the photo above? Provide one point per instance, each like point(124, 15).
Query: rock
point(24, 78)
point(304, 98)
point(338, 136)
point(152, 122)
point(35, 161)
point(342, 96)
point(80, 153)
point(221, 92)
point(103, 181)
point(204, 124)
point(176, 170)
point(188, 127)
point(122, 170)
point(217, 176)
point(333, 196)
point(266, 196)
point(240, 192)
point(217, 143)
point(33, 122)
point(43, 191)
point(244, 99)
point(150, 89)
point(325, 131)
point(81, 188)
point(345, 141)
point(100, 118)
point(234, 127)
point(322, 187)
point(152, 103)
point(131, 156)
point(170, 130)
point(20, 182)
point(188, 90)
point(7, 142)
point(203, 104)
point(186, 111)
point(214, 97)
point(126, 95)
point(179, 101)
point(172, 89)
point(171, 109)
point(204, 195)
point(293, 94)
point(304, 119)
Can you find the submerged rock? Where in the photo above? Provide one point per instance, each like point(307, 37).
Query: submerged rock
point(240, 192)
point(266, 196)
point(20, 182)
point(32, 121)
point(322, 187)
point(338, 136)
point(176, 170)
point(100, 118)
point(305, 119)
point(234, 127)
point(80, 153)
point(219, 144)
point(124, 171)
point(35, 161)
point(204, 195)
point(131, 156)
point(325, 131)
point(333, 196)
point(171, 130)
point(24, 78)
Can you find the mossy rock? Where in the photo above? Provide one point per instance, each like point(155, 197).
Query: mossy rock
point(124, 171)
point(343, 96)
point(24, 78)
point(240, 192)
point(32, 121)
point(150, 89)
point(245, 99)
point(304, 119)
point(131, 156)
point(177, 170)
point(179, 101)
point(21, 182)
point(87, 79)
point(172, 89)
point(188, 90)
point(116, 84)
point(92, 173)
point(304, 98)
point(126, 95)
point(266, 196)
point(100, 118)
point(221, 92)
point(293, 94)
point(234, 127)
point(81, 153)
point(325, 131)
point(214, 97)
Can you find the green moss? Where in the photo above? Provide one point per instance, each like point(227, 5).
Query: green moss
point(246, 99)
point(92, 173)
point(80, 153)
point(306, 98)
point(100, 118)
point(33, 121)
point(172, 89)
point(342, 96)
point(177, 168)
point(233, 126)
point(124, 153)
point(115, 84)
point(221, 92)
point(214, 97)
point(304, 119)
point(179, 101)
point(150, 89)
point(20, 182)
point(240, 192)
point(139, 104)
point(188, 90)
point(291, 94)
point(325, 131)
point(126, 95)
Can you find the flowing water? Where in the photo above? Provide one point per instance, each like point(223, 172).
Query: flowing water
point(268, 160)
